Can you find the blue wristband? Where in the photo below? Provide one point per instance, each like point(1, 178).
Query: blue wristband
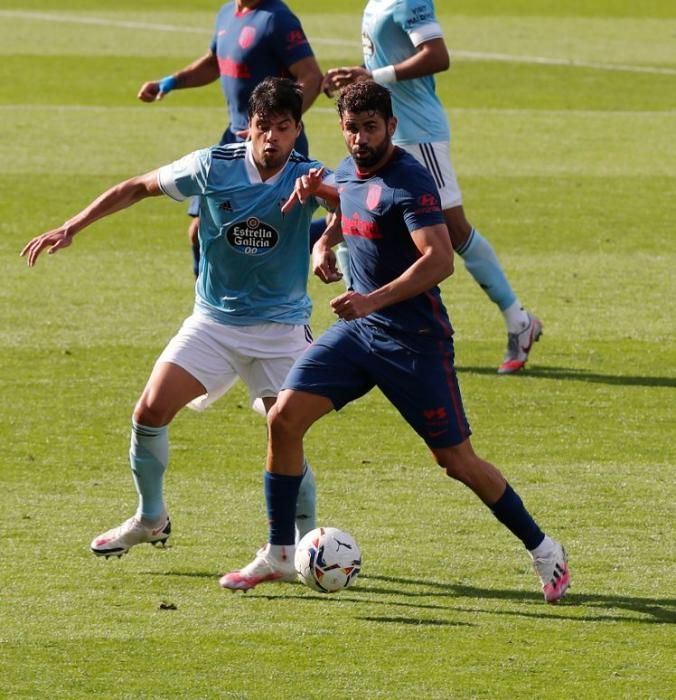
point(168, 84)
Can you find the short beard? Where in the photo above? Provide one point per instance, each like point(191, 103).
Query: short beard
point(374, 155)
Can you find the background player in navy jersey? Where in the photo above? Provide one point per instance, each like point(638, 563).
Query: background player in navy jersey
point(252, 39)
point(403, 48)
point(251, 307)
point(393, 333)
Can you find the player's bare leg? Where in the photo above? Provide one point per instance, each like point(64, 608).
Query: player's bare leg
point(306, 503)
point(288, 421)
point(169, 388)
point(486, 481)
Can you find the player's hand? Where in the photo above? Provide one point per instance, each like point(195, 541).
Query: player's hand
point(351, 305)
point(306, 186)
point(324, 264)
point(54, 240)
point(338, 78)
point(150, 92)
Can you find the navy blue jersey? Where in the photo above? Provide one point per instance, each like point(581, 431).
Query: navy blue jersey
point(379, 212)
point(253, 45)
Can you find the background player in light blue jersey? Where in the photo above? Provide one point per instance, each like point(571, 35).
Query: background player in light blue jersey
point(251, 309)
point(403, 48)
point(252, 40)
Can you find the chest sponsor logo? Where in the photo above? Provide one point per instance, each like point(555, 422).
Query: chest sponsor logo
point(356, 226)
point(247, 36)
point(232, 69)
point(252, 237)
point(373, 196)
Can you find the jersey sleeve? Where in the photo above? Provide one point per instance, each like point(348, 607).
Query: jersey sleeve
point(185, 177)
point(417, 19)
point(289, 42)
point(214, 36)
point(419, 201)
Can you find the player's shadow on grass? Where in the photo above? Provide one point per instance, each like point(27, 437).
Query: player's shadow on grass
point(657, 611)
point(579, 375)
point(653, 610)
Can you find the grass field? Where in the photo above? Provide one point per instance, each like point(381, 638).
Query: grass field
point(564, 138)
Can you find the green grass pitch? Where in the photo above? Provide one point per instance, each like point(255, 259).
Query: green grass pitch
point(564, 139)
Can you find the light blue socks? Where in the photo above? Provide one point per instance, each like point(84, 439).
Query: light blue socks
point(306, 506)
point(483, 264)
point(148, 456)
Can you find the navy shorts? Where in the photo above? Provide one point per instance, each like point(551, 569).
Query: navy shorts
point(415, 373)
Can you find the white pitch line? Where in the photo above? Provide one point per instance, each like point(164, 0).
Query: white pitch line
point(469, 55)
point(167, 109)
point(570, 62)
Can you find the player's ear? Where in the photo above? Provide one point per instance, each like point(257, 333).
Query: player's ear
point(391, 125)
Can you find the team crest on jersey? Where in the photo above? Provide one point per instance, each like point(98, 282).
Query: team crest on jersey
point(225, 206)
point(247, 36)
point(373, 196)
point(252, 237)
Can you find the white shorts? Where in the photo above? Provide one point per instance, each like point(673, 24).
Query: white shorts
point(436, 157)
point(217, 355)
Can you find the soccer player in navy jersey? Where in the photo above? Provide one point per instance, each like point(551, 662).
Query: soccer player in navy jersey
point(393, 333)
point(252, 40)
point(403, 47)
point(251, 314)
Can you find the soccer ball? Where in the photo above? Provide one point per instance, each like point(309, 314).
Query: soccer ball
point(327, 559)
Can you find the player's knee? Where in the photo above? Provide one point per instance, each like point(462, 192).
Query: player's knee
point(151, 413)
point(283, 424)
point(459, 228)
point(461, 467)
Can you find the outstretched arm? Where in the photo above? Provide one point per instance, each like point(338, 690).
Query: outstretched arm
point(200, 72)
point(431, 57)
point(119, 197)
point(312, 184)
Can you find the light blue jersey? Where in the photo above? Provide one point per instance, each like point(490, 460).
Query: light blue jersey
point(253, 260)
point(391, 31)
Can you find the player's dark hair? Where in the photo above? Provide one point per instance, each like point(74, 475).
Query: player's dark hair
point(365, 96)
point(275, 96)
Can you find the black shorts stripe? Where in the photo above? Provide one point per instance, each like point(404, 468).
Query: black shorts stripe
point(432, 164)
point(308, 335)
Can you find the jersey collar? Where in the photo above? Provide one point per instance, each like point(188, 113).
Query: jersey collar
point(252, 170)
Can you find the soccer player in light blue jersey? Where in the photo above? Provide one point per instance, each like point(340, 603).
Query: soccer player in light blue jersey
point(403, 48)
point(251, 314)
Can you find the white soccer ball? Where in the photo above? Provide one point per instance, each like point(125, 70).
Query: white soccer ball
point(327, 559)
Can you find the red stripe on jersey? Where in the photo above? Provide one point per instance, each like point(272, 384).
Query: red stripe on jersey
point(355, 226)
point(232, 69)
